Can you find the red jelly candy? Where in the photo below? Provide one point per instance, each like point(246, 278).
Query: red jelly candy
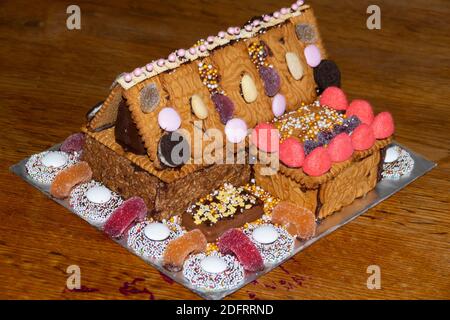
point(362, 109)
point(73, 143)
point(265, 136)
point(132, 210)
point(340, 148)
point(236, 242)
point(335, 98)
point(383, 125)
point(317, 162)
point(292, 153)
point(362, 137)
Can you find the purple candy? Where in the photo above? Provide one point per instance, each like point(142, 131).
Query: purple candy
point(73, 143)
point(310, 145)
point(224, 106)
point(271, 80)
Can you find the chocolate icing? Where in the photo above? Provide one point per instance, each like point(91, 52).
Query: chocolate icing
point(126, 132)
point(212, 232)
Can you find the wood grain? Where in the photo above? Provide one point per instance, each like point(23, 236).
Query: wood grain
point(52, 76)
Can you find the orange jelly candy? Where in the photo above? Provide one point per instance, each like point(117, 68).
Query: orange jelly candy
point(69, 178)
point(298, 221)
point(180, 248)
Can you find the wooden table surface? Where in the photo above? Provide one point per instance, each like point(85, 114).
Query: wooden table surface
point(51, 76)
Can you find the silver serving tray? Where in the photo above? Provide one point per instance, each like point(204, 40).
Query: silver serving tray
point(384, 189)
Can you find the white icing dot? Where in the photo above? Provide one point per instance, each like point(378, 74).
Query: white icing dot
point(98, 194)
point(265, 234)
point(54, 159)
point(213, 264)
point(157, 231)
point(392, 154)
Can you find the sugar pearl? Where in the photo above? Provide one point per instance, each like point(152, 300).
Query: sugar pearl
point(202, 48)
point(221, 34)
point(237, 30)
point(181, 52)
point(137, 72)
point(256, 23)
point(192, 51)
point(172, 57)
point(210, 39)
point(149, 67)
point(230, 30)
point(127, 77)
point(161, 62)
point(276, 14)
point(278, 105)
point(248, 28)
point(284, 11)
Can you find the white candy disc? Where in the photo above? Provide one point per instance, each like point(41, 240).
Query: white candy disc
point(54, 159)
point(157, 231)
point(98, 194)
point(265, 234)
point(392, 154)
point(213, 264)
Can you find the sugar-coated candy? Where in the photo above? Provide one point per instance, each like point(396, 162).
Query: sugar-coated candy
point(73, 143)
point(305, 33)
point(327, 74)
point(129, 212)
point(271, 80)
point(234, 241)
point(169, 119)
point(265, 136)
point(179, 249)
point(362, 109)
point(149, 98)
point(317, 162)
point(363, 137)
point(334, 98)
point(298, 221)
point(324, 137)
point(292, 153)
point(278, 105)
point(312, 55)
point(340, 148)
point(310, 145)
point(383, 125)
point(224, 106)
point(236, 130)
point(69, 178)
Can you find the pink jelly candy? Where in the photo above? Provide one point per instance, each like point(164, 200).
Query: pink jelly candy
point(236, 242)
point(132, 210)
point(180, 248)
point(69, 178)
point(383, 125)
point(363, 137)
point(73, 143)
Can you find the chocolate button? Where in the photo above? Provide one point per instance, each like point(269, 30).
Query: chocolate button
point(173, 150)
point(327, 74)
